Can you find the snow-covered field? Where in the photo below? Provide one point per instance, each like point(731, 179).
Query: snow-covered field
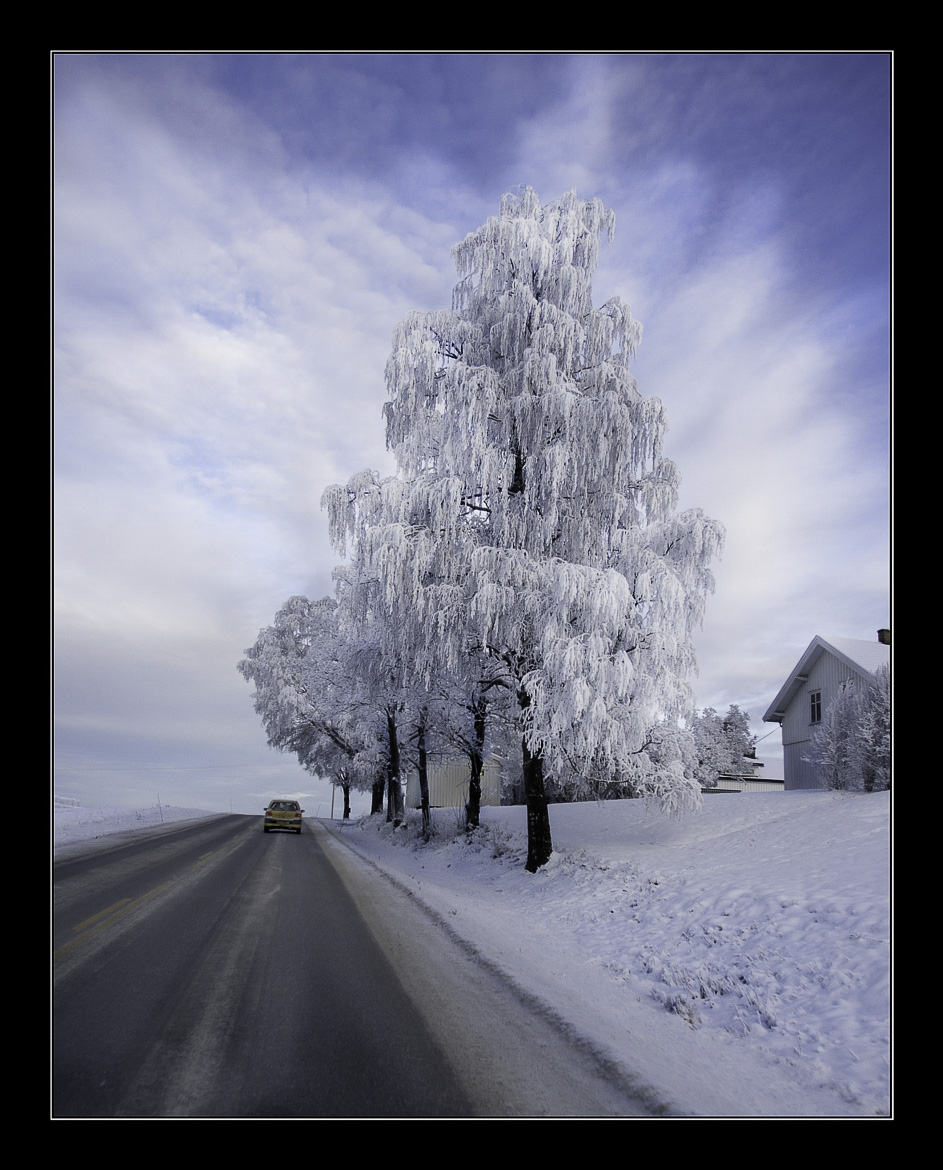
point(738, 960)
point(72, 823)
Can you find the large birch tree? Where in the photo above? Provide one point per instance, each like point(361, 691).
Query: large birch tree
point(535, 514)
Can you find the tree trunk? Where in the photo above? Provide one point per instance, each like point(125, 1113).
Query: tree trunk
point(423, 781)
point(394, 800)
point(539, 842)
point(346, 788)
point(476, 758)
point(473, 805)
point(376, 795)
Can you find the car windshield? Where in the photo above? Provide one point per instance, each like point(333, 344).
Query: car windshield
point(284, 805)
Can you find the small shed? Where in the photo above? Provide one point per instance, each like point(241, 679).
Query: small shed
point(449, 781)
point(742, 782)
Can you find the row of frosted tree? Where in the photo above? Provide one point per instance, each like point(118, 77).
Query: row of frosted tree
point(524, 585)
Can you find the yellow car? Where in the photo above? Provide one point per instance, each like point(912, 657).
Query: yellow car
point(283, 814)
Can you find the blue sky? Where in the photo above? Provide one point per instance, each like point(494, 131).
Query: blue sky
point(236, 237)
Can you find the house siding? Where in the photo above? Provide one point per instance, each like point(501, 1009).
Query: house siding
point(744, 784)
point(826, 675)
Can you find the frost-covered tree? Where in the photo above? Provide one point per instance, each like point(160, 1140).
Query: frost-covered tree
point(377, 681)
point(538, 514)
point(397, 557)
point(301, 668)
point(874, 732)
point(443, 711)
point(851, 747)
point(721, 743)
point(832, 747)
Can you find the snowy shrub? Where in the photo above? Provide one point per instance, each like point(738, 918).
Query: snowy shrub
point(502, 840)
point(681, 1003)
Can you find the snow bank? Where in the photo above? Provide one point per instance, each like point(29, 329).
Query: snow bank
point(761, 925)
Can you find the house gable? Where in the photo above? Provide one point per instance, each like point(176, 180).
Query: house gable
point(813, 684)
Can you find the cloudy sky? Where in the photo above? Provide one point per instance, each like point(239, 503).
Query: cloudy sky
point(236, 237)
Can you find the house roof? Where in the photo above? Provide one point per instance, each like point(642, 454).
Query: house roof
point(860, 655)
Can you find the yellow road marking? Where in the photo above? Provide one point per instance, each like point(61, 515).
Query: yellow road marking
point(101, 914)
point(104, 918)
point(118, 910)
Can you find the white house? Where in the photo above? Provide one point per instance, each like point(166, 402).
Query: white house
point(813, 684)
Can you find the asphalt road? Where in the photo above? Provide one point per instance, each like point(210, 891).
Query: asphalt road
point(212, 970)
point(216, 971)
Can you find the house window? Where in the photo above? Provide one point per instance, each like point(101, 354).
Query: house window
point(815, 702)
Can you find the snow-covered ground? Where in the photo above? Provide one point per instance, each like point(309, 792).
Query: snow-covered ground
point(738, 960)
point(72, 823)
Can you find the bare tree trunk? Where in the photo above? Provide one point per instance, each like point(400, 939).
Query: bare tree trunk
point(473, 805)
point(423, 779)
point(394, 801)
point(539, 842)
point(376, 795)
point(476, 759)
point(346, 789)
